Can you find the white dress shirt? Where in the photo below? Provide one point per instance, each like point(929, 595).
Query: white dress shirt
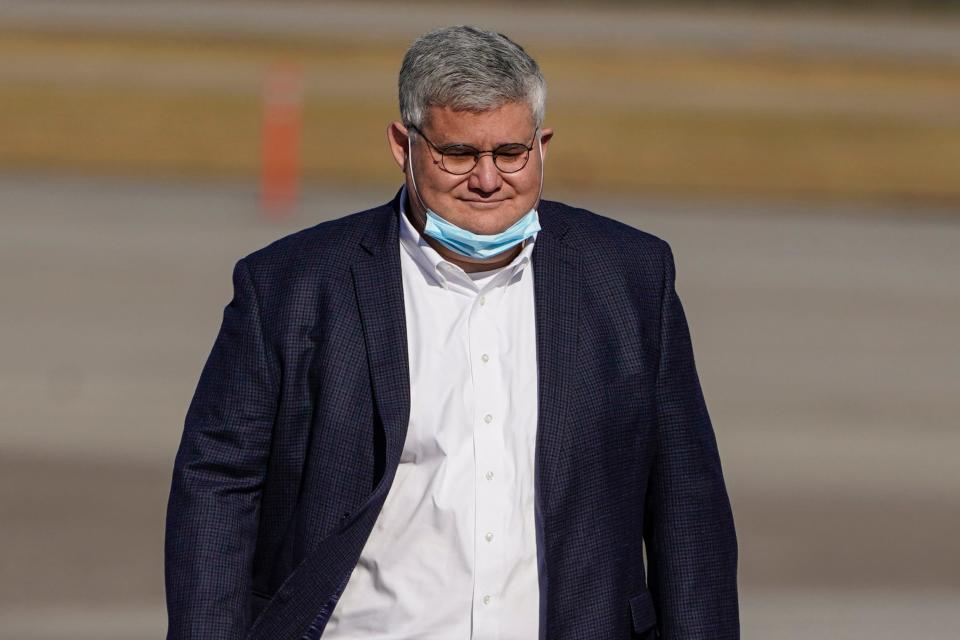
point(453, 555)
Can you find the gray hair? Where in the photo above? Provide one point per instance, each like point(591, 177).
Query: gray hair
point(468, 69)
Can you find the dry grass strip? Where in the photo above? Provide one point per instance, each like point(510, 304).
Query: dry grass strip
point(626, 120)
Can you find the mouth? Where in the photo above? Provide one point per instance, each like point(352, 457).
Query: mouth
point(483, 204)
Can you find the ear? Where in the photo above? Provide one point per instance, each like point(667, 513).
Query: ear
point(545, 136)
point(397, 139)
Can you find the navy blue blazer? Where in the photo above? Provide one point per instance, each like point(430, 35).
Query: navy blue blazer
point(293, 437)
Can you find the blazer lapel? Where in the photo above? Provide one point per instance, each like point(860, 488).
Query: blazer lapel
point(379, 290)
point(557, 300)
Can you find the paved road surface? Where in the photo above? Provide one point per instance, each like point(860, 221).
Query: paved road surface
point(825, 339)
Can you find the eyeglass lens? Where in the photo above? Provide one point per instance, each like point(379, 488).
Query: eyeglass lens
point(508, 158)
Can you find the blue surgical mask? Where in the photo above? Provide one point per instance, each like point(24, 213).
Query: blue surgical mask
point(475, 245)
point(468, 243)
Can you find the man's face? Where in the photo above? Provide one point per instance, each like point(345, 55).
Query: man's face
point(485, 200)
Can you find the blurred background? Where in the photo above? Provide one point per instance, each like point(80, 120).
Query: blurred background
point(803, 160)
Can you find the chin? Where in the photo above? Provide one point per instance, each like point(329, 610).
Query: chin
point(494, 226)
point(488, 220)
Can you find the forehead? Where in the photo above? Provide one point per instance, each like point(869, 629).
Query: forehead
point(511, 122)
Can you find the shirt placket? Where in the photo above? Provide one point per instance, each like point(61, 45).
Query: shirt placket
point(489, 454)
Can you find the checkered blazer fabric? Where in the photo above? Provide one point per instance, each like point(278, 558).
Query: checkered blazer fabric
point(293, 437)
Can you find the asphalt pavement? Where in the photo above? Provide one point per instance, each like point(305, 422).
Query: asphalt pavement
point(825, 338)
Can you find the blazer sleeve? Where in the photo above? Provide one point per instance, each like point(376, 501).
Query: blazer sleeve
point(212, 514)
point(688, 524)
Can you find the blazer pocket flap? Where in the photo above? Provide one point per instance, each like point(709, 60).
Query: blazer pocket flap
point(642, 611)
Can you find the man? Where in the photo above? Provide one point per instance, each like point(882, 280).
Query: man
point(458, 415)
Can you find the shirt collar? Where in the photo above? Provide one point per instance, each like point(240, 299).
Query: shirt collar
point(440, 269)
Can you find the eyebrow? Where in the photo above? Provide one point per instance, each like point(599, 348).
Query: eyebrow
point(443, 145)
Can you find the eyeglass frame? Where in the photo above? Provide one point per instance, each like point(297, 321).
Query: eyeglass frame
point(477, 153)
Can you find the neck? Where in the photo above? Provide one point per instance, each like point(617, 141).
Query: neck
point(418, 218)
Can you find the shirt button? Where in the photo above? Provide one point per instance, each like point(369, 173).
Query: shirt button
point(488, 475)
point(482, 300)
point(486, 599)
point(488, 418)
point(485, 358)
point(488, 537)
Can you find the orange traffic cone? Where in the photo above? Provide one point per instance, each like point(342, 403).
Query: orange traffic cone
point(280, 140)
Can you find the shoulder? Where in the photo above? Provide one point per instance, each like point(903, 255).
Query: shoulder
point(603, 240)
point(327, 247)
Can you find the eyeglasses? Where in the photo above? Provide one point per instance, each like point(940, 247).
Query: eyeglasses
point(460, 159)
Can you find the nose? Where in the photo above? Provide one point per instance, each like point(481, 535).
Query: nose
point(485, 176)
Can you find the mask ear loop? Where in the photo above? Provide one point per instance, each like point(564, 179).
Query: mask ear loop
point(540, 146)
point(540, 192)
point(413, 178)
